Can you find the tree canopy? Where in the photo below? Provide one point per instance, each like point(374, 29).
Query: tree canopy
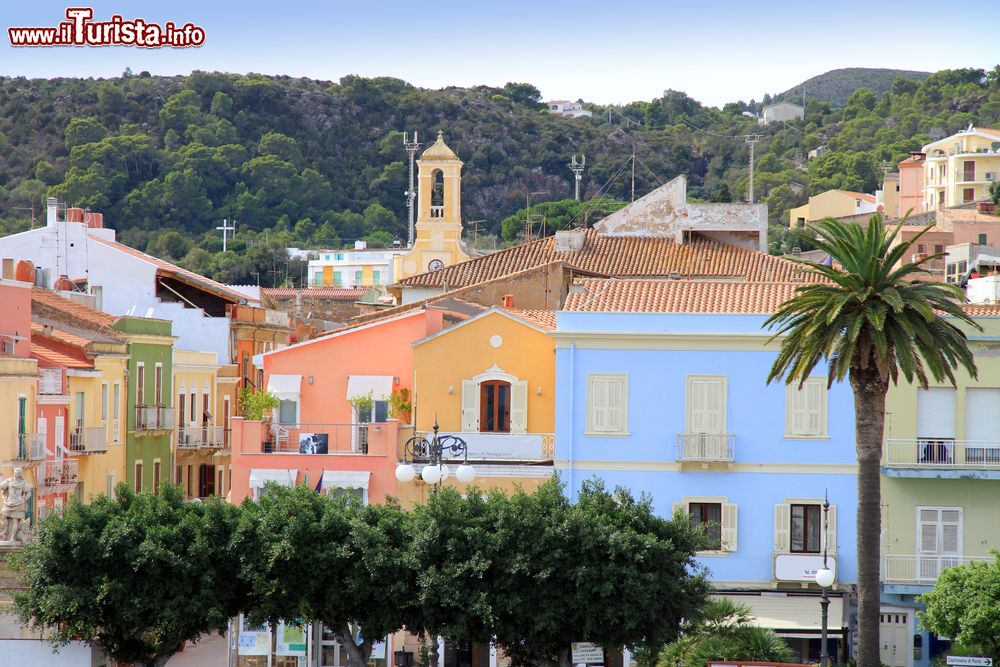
point(965, 606)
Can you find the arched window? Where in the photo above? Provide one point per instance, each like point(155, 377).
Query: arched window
point(437, 194)
point(494, 406)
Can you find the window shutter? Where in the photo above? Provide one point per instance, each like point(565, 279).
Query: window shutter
point(519, 406)
point(598, 405)
point(936, 413)
point(729, 525)
point(682, 508)
point(814, 407)
point(706, 405)
point(470, 406)
point(782, 526)
point(831, 531)
point(615, 391)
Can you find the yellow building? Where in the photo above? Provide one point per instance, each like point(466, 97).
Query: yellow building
point(490, 380)
point(831, 204)
point(888, 196)
point(438, 241)
point(201, 458)
point(959, 169)
point(940, 472)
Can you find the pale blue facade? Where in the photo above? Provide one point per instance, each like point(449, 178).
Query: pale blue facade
point(658, 352)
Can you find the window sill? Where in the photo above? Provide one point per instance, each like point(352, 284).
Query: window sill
point(792, 436)
point(714, 552)
point(596, 434)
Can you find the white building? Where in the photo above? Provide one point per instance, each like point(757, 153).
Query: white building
point(781, 111)
point(568, 109)
point(360, 267)
point(78, 254)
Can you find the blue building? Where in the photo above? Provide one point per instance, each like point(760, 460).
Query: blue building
point(661, 388)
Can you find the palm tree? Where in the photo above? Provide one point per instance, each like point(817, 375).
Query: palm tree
point(724, 631)
point(870, 321)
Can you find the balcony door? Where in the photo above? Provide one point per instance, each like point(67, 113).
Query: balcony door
point(494, 406)
point(936, 426)
point(982, 426)
point(939, 531)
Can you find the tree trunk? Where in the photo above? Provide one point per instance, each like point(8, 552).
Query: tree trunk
point(565, 657)
point(357, 656)
point(869, 415)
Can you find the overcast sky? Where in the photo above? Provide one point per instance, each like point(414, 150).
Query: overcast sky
point(605, 52)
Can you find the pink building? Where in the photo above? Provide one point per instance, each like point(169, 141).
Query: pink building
point(334, 429)
point(911, 184)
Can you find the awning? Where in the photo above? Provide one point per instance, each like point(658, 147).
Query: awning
point(285, 387)
point(343, 479)
point(282, 477)
point(791, 615)
point(379, 386)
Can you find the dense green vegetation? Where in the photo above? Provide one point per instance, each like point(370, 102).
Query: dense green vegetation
point(314, 164)
point(837, 86)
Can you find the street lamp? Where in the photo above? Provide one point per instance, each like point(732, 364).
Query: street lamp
point(824, 577)
point(435, 451)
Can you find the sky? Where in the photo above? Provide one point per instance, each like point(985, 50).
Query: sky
point(608, 52)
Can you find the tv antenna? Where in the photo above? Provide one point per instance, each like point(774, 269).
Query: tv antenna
point(752, 140)
point(577, 169)
point(226, 228)
point(411, 146)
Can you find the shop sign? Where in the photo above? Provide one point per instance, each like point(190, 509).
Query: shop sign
point(587, 653)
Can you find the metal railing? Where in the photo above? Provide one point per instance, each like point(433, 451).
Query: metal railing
point(937, 453)
point(321, 439)
point(437, 211)
point(921, 568)
point(30, 447)
point(88, 439)
point(58, 476)
point(196, 437)
point(512, 447)
point(153, 418)
point(706, 447)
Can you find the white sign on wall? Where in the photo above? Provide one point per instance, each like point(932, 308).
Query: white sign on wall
point(968, 661)
point(801, 567)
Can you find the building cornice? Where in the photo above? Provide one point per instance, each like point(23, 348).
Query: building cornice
point(676, 466)
point(665, 340)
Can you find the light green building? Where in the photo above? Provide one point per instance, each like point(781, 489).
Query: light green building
point(149, 405)
point(940, 489)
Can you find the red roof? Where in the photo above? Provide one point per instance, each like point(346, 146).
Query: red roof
point(77, 311)
point(68, 358)
point(339, 293)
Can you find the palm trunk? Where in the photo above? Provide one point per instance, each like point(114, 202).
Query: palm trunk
point(869, 413)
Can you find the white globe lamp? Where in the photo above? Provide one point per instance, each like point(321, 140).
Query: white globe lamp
point(405, 473)
point(824, 577)
point(431, 474)
point(465, 473)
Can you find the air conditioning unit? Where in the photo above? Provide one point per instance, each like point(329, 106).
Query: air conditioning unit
point(989, 176)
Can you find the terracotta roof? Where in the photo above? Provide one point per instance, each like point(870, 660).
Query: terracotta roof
point(77, 311)
point(619, 256)
point(858, 195)
point(38, 329)
point(171, 269)
point(345, 293)
point(986, 130)
point(983, 309)
point(42, 349)
point(546, 319)
point(676, 296)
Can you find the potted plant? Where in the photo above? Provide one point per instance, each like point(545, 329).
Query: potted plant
point(400, 405)
point(257, 403)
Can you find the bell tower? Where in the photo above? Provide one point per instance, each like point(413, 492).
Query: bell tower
point(438, 241)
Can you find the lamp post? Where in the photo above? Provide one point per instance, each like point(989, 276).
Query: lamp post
point(824, 577)
point(435, 451)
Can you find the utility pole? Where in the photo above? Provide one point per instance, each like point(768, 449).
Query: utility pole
point(226, 228)
point(577, 169)
point(527, 213)
point(633, 172)
point(752, 139)
point(411, 146)
point(475, 232)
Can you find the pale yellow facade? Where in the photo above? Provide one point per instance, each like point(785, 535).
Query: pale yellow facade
point(438, 239)
point(99, 468)
point(199, 445)
point(890, 195)
point(831, 204)
point(960, 169)
point(18, 391)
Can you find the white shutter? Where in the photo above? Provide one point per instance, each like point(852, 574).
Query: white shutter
point(831, 531)
point(928, 531)
point(616, 404)
point(782, 527)
point(60, 439)
point(607, 403)
point(597, 405)
point(470, 406)
point(936, 413)
point(706, 404)
point(815, 391)
point(730, 523)
point(982, 415)
point(519, 406)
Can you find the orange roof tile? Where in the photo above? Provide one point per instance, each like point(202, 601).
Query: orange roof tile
point(171, 269)
point(983, 309)
point(545, 319)
point(76, 311)
point(42, 349)
point(618, 256)
point(345, 293)
point(677, 296)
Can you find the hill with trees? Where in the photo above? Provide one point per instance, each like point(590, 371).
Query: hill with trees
point(319, 164)
point(837, 85)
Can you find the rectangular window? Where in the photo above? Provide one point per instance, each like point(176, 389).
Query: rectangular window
point(288, 412)
point(140, 384)
point(116, 408)
point(968, 195)
point(109, 484)
point(338, 279)
point(805, 409)
point(709, 516)
point(156, 477)
point(104, 402)
point(339, 257)
point(806, 525)
point(718, 517)
point(376, 277)
point(206, 480)
point(607, 404)
point(181, 412)
point(706, 404)
point(317, 278)
point(939, 533)
point(969, 170)
point(220, 487)
point(936, 425)
point(179, 475)
point(494, 406)
point(358, 280)
point(983, 239)
point(158, 384)
point(189, 486)
point(138, 476)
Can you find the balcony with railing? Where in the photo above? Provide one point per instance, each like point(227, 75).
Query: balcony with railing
point(154, 418)
point(58, 476)
point(921, 569)
point(201, 437)
point(88, 439)
point(706, 447)
point(50, 381)
point(941, 457)
point(30, 447)
point(437, 211)
point(510, 448)
point(325, 439)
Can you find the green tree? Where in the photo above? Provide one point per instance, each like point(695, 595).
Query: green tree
point(871, 322)
point(137, 575)
point(84, 130)
point(724, 631)
point(524, 94)
point(965, 606)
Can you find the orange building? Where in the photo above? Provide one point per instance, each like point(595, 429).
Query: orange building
point(911, 185)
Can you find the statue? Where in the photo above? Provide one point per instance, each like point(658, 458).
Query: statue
point(16, 493)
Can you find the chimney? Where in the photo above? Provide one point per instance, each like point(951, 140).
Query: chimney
point(508, 300)
point(52, 212)
point(93, 220)
point(74, 215)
